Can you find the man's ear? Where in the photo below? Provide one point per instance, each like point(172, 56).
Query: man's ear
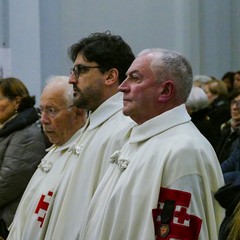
point(111, 77)
point(167, 90)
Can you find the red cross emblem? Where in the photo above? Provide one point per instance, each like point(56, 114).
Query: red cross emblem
point(182, 225)
point(42, 206)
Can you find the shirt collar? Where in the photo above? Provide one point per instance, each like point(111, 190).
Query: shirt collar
point(161, 123)
point(106, 110)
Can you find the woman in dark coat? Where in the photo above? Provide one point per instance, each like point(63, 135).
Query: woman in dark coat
point(197, 107)
point(219, 106)
point(22, 144)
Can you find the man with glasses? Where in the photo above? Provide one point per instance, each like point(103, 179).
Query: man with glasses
point(62, 123)
point(100, 62)
point(230, 130)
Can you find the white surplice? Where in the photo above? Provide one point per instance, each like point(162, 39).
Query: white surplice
point(165, 158)
point(45, 189)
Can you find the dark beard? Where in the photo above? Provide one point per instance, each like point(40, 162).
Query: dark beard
point(90, 99)
point(81, 103)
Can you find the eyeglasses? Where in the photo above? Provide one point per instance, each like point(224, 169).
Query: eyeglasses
point(79, 69)
point(236, 102)
point(50, 111)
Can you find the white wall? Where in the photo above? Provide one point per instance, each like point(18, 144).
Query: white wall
point(216, 35)
point(23, 38)
point(202, 30)
point(166, 24)
point(235, 40)
point(1, 24)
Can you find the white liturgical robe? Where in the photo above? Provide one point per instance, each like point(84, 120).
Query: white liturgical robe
point(160, 185)
point(45, 190)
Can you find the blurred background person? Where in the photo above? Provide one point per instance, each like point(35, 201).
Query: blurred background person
point(230, 130)
point(229, 195)
point(229, 198)
point(234, 233)
point(197, 107)
point(199, 80)
point(22, 144)
point(231, 166)
point(228, 79)
point(236, 82)
point(219, 107)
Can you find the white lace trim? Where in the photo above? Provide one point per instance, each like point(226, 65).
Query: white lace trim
point(120, 161)
point(76, 149)
point(46, 165)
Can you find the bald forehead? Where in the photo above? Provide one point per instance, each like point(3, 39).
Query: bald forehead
point(141, 66)
point(54, 92)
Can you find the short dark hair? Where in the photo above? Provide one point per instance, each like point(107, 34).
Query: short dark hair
point(229, 75)
point(109, 51)
point(234, 93)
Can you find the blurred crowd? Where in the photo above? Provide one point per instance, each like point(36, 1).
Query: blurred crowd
point(214, 108)
point(214, 105)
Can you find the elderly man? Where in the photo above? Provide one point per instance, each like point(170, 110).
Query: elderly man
point(62, 123)
point(160, 185)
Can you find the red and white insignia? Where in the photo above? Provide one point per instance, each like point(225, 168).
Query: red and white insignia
point(42, 207)
point(182, 225)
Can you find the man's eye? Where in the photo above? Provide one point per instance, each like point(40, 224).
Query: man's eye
point(51, 110)
point(82, 70)
point(134, 77)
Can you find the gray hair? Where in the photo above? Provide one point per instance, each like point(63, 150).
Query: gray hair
point(170, 65)
point(68, 88)
point(197, 99)
point(201, 78)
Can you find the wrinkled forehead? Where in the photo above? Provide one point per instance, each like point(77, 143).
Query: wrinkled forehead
point(53, 95)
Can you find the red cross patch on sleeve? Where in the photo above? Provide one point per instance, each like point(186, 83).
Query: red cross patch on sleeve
point(177, 222)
